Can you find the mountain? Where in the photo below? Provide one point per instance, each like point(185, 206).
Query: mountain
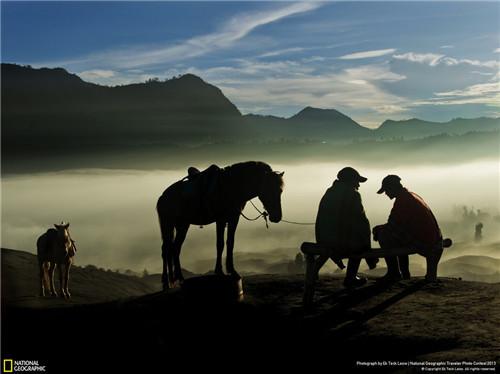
point(416, 128)
point(58, 106)
point(52, 111)
point(309, 124)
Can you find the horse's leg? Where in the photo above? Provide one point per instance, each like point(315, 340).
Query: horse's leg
point(52, 268)
point(181, 230)
point(60, 270)
point(167, 235)
point(221, 228)
point(66, 278)
point(231, 229)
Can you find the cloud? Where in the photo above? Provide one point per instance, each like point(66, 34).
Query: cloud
point(367, 54)
point(230, 32)
point(477, 90)
point(447, 46)
point(282, 52)
point(496, 50)
point(433, 59)
point(96, 74)
point(289, 84)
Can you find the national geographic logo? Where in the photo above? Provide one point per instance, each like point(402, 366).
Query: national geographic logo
point(20, 366)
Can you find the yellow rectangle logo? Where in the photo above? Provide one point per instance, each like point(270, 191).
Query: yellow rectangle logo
point(8, 365)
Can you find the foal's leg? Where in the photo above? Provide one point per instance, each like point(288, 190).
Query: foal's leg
point(181, 230)
point(221, 228)
point(231, 229)
point(52, 268)
point(42, 278)
point(66, 278)
point(60, 270)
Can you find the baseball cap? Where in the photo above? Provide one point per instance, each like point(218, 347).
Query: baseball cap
point(389, 181)
point(349, 174)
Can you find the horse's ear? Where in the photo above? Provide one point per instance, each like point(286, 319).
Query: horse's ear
point(66, 225)
point(56, 225)
point(281, 174)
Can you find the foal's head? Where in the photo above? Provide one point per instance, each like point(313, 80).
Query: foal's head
point(270, 194)
point(63, 234)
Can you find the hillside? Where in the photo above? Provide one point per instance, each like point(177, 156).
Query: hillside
point(49, 105)
point(407, 321)
point(51, 110)
point(87, 284)
point(416, 128)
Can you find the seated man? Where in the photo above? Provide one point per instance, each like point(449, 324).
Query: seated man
point(411, 223)
point(341, 223)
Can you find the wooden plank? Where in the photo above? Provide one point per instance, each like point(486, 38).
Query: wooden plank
point(316, 249)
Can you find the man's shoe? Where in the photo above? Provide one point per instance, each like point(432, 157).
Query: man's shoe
point(390, 278)
point(354, 282)
point(372, 263)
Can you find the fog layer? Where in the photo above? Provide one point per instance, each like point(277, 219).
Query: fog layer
point(113, 218)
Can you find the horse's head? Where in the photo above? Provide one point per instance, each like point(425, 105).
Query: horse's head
point(270, 194)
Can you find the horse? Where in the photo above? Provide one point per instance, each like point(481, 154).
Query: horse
point(214, 195)
point(55, 248)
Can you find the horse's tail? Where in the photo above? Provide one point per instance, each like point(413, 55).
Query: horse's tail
point(41, 247)
point(161, 210)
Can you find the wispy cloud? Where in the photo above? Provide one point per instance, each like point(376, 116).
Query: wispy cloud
point(286, 84)
point(447, 46)
point(433, 59)
point(96, 74)
point(496, 50)
point(230, 32)
point(368, 54)
point(282, 52)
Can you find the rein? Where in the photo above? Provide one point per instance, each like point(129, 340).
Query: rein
point(265, 215)
point(261, 214)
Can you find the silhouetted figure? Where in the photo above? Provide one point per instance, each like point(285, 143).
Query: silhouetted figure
point(411, 223)
point(299, 260)
point(341, 224)
point(213, 195)
point(297, 266)
point(55, 248)
point(478, 235)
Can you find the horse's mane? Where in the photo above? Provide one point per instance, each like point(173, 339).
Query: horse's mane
point(258, 167)
point(249, 165)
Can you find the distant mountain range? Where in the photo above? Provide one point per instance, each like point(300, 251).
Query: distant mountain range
point(51, 107)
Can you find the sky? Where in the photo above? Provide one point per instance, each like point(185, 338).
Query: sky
point(371, 60)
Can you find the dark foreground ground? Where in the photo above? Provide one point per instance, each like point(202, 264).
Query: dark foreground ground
point(410, 321)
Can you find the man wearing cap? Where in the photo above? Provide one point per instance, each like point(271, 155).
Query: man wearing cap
point(411, 223)
point(341, 223)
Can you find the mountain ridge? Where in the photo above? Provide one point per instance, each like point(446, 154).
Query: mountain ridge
point(55, 105)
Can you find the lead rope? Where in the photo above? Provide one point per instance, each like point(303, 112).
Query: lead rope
point(265, 215)
point(261, 214)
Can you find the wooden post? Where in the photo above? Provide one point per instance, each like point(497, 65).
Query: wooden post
point(310, 279)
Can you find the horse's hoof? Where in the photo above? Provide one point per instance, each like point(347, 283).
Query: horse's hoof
point(219, 272)
point(234, 275)
point(165, 287)
point(54, 294)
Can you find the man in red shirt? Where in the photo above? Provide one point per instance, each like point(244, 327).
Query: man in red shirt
point(410, 224)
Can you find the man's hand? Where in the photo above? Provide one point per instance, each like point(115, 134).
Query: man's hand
point(375, 231)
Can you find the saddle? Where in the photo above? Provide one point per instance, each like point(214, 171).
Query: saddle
point(200, 191)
